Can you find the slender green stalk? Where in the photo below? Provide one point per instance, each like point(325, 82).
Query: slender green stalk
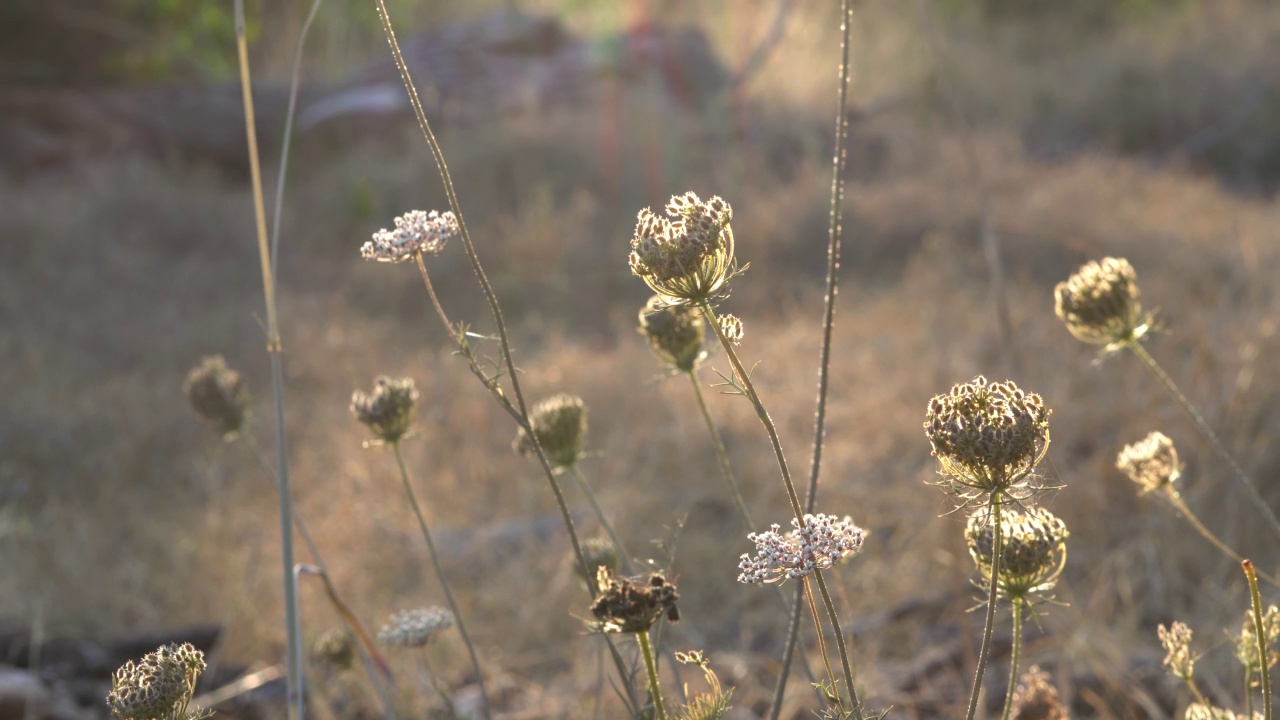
point(1014, 659)
point(623, 555)
point(822, 643)
point(1260, 631)
point(656, 692)
point(1181, 506)
point(726, 471)
point(834, 619)
point(293, 627)
point(444, 581)
point(996, 552)
point(1203, 426)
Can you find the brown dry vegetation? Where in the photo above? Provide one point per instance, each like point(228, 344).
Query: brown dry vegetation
point(123, 513)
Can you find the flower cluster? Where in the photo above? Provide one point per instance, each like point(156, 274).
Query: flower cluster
point(1152, 462)
point(1247, 643)
point(1199, 711)
point(1033, 549)
point(417, 233)
point(159, 686)
point(686, 257)
point(1099, 303)
point(676, 333)
point(1176, 641)
point(415, 627)
point(217, 394)
point(1035, 698)
point(560, 425)
point(632, 604)
point(987, 436)
point(817, 544)
point(388, 410)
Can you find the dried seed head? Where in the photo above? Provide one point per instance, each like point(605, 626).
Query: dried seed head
point(335, 648)
point(1033, 550)
point(676, 333)
point(560, 425)
point(1176, 640)
point(416, 233)
point(732, 328)
point(1099, 303)
point(987, 437)
point(1198, 711)
point(217, 394)
point(159, 686)
point(1036, 698)
point(598, 553)
point(388, 410)
point(1247, 643)
point(1152, 462)
point(686, 257)
point(632, 604)
point(822, 541)
point(415, 627)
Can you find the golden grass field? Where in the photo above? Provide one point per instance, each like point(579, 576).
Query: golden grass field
point(121, 512)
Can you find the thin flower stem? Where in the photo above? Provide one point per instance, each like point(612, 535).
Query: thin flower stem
point(439, 687)
point(996, 552)
point(822, 643)
point(656, 692)
point(1014, 659)
point(258, 454)
point(726, 471)
point(1260, 631)
point(444, 581)
point(627, 566)
point(840, 644)
point(1181, 506)
point(1203, 426)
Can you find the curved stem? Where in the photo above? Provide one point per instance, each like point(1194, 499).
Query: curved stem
point(1203, 426)
point(444, 581)
point(1015, 657)
point(656, 692)
point(604, 521)
point(1181, 506)
point(840, 644)
point(1260, 631)
point(996, 552)
point(726, 471)
point(822, 641)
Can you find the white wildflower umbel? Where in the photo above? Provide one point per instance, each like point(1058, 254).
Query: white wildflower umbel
point(819, 543)
point(417, 233)
point(687, 256)
point(416, 627)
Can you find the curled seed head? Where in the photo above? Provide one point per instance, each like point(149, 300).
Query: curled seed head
point(159, 686)
point(987, 436)
point(1035, 698)
point(676, 333)
point(687, 256)
point(1247, 643)
point(335, 648)
point(1176, 640)
point(388, 410)
point(632, 604)
point(817, 544)
point(560, 425)
point(415, 627)
point(217, 394)
point(1100, 303)
point(732, 328)
point(417, 233)
point(1152, 462)
point(598, 553)
point(1033, 550)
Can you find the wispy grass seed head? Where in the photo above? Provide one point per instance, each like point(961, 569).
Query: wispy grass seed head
point(676, 333)
point(598, 553)
point(988, 437)
point(632, 604)
point(1033, 550)
point(687, 256)
point(560, 425)
point(416, 233)
point(1178, 658)
point(1100, 303)
point(1247, 642)
point(159, 686)
point(1035, 698)
point(388, 410)
point(217, 394)
point(817, 544)
point(415, 627)
point(1152, 462)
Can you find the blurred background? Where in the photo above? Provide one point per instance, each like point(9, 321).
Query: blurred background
point(1068, 131)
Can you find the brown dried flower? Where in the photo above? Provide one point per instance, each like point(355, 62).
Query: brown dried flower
point(632, 604)
point(1152, 462)
point(217, 394)
point(676, 333)
point(1033, 550)
point(560, 425)
point(159, 686)
point(1100, 303)
point(388, 410)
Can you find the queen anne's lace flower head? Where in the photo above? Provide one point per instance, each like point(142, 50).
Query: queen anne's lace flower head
point(687, 256)
point(416, 627)
point(676, 333)
point(1152, 462)
point(416, 233)
point(1099, 303)
point(388, 410)
point(217, 394)
point(822, 541)
point(1033, 550)
point(159, 686)
point(560, 425)
point(632, 604)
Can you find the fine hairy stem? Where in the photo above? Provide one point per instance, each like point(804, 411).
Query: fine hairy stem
point(1181, 506)
point(996, 552)
point(646, 649)
point(834, 619)
point(822, 642)
point(444, 581)
point(726, 471)
point(1260, 632)
point(1203, 426)
point(293, 627)
point(1014, 659)
point(604, 521)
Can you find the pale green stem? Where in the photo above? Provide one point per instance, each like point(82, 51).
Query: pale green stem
point(656, 692)
point(1015, 657)
point(822, 642)
point(996, 552)
point(444, 581)
point(1181, 506)
point(1260, 630)
point(840, 644)
point(627, 566)
point(1203, 426)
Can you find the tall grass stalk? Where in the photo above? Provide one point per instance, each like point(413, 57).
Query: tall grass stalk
point(442, 578)
point(274, 349)
point(997, 549)
point(1014, 658)
point(1260, 631)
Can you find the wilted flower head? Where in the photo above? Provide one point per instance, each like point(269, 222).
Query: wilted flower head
point(1247, 643)
point(1033, 549)
point(1198, 711)
point(1152, 462)
point(676, 333)
point(632, 604)
point(597, 552)
point(1099, 303)
point(987, 437)
point(415, 627)
point(560, 425)
point(416, 233)
point(335, 648)
point(388, 410)
point(159, 686)
point(688, 255)
point(1176, 641)
point(732, 328)
point(217, 394)
point(816, 545)
point(1036, 698)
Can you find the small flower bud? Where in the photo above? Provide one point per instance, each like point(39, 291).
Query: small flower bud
point(1099, 303)
point(388, 410)
point(217, 394)
point(1152, 462)
point(1033, 550)
point(560, 425)
point(675, 333)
